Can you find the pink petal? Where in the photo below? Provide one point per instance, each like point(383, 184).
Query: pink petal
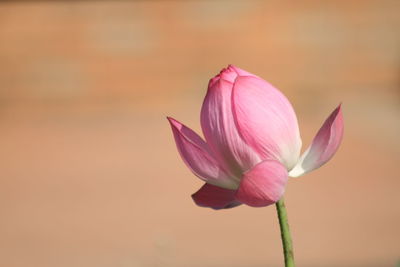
point(263, 185)
point(240, 72)
point(266, 120)
point(220, 130)
point(215, 197)
point(228, 74)
point(198, 157)
point(324, 145)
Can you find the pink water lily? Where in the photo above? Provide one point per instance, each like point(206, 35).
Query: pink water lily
point(252, 142)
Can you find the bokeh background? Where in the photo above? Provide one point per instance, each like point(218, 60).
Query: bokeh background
point(89, 172)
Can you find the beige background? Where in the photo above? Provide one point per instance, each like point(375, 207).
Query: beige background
point(89, 172)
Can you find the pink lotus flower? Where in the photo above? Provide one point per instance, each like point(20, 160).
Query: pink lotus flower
point(252, 142)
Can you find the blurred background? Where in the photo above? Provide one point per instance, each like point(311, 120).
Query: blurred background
point(89, 172)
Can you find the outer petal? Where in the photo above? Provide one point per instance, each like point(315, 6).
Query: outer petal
point(220, 130)
point(323, 146)
point(215, 197)
point(198, 158)
point(263, 185)
point(240, 72)
point(266, 120)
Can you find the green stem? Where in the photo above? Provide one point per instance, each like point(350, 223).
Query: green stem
point(285, 233)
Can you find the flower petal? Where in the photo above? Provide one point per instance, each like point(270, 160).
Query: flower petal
point(215, 197)
point(220, 130)
point(198, 157)
point(240, 72)
point(323, 146)
point(266, 120)
point(263, 185)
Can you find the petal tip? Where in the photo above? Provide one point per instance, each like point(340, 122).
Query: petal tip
point(174, 123)
point(338, 109)
point(171, 120)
